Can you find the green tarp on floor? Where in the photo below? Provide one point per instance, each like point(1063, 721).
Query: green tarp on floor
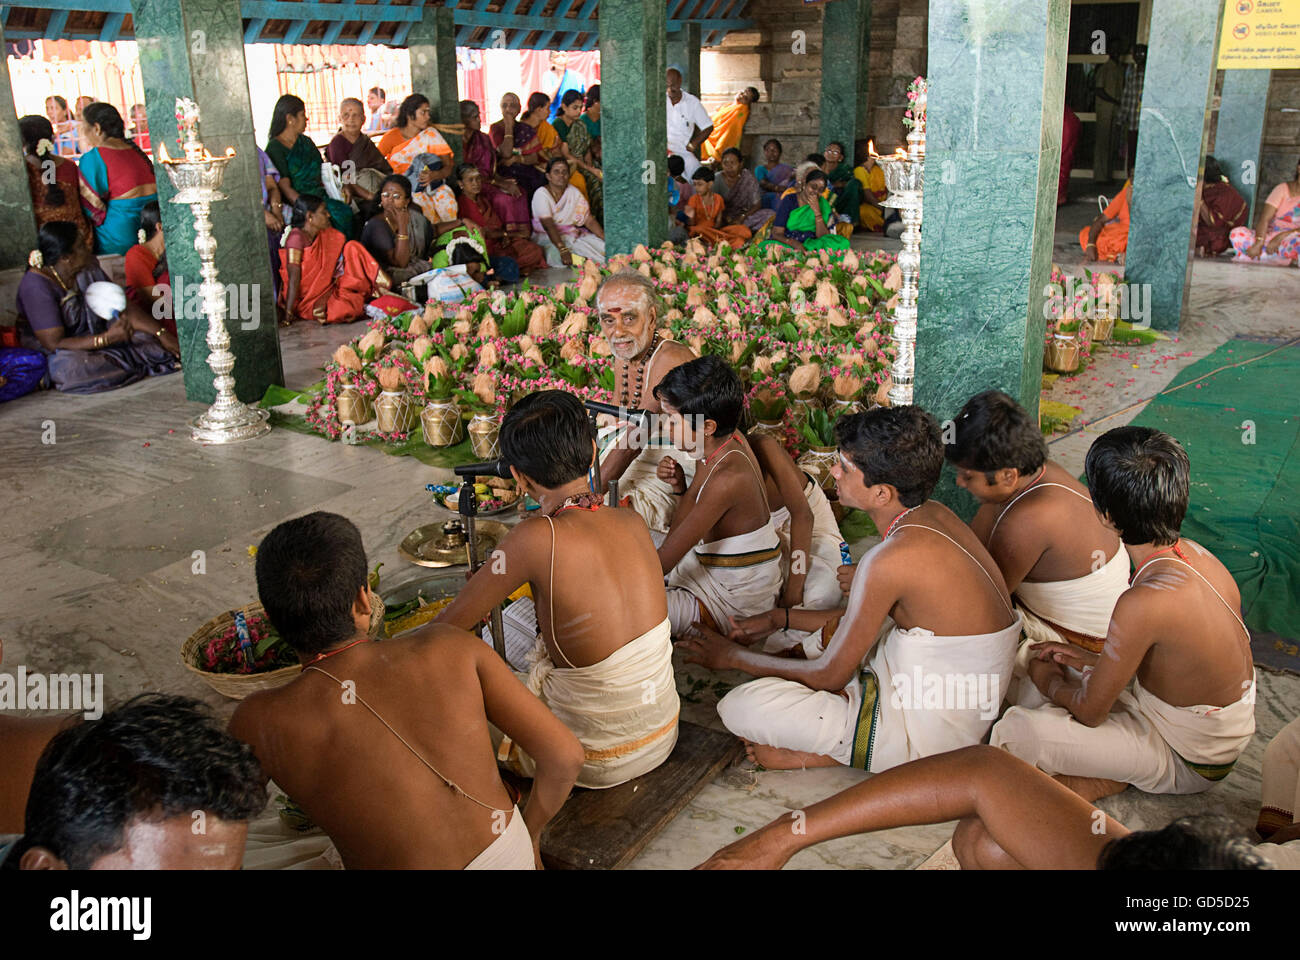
point(1241, 430)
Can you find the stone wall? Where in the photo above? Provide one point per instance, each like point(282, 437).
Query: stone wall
point(786, 69)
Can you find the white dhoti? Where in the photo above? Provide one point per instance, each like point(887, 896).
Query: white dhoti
point(1279, 792)
point(650, 497)
point(1083, 605)
point(918, 695)
point(623, 710)
point(582, 245)
point(512, 850)
point(821, 588)
point(733, 577)
point(1144, 741)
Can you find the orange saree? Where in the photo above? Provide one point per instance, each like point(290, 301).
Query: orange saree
point(338, 276)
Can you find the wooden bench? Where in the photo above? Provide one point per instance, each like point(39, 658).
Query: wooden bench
point(606, 829)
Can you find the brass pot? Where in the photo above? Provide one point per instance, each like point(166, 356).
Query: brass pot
point(394, 412)
point(353, 407)
point(840, 408)
point(1103, 325)
point(485, 436)
point(802, 409)
point(1062, 353)
point(441, 423)
point(817, 463)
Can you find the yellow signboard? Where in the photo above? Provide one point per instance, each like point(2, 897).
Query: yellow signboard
point(1260, 35)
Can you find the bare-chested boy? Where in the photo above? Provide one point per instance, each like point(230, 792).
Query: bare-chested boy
point(386, 744)
point(125, 792)
point(921, 656)
point(1012, 817)
point(1169, 703)
point(1064, 567)
point(603, 660)
point(630, 312)
point(722, 555)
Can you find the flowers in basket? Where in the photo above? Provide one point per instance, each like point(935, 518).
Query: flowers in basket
point(249, 645)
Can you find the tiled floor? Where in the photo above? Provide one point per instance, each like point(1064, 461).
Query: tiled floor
point(123, 536)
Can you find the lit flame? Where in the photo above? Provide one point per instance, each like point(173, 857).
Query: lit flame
point(899, 154)
point(164, 157)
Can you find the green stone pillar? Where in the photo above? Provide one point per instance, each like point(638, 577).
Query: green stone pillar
point(846, 42)
point(18, 240)
point(1172, 132)
point(684, 53)
point(195, 49)
point(1241, 129)
point(993, 151)
point(633, 121)
point(432, 43)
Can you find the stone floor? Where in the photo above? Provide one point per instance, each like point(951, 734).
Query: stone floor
point(103, 571)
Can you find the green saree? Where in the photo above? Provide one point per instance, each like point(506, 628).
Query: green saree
point(302, 166)
point(801, 226)
point(848, 198)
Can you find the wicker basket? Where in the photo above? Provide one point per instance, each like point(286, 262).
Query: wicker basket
point(237, 686)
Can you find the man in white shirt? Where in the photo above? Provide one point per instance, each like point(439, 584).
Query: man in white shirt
point(689, 124)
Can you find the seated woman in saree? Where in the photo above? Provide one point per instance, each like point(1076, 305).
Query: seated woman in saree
point(517, 147)
point(502, 191)
point(872, 213)
point(704, 212)
point(740, 191)
point(839, 175)
point(414, 136)
point(1223, 210)
point(298, 160)
point(545, 142)
point(360, 163)
point(1276, 237)
point(573, 145)
point(120, 177)
point(562, 221)
point(398, 236)
point(148, 284)
point(56, 185)
point(87, 353)
point(325, 276)
point(773, 176)
point(513, 243)
point(803, 219)
point(1106, 238)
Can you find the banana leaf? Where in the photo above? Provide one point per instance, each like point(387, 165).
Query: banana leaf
point(516, 321)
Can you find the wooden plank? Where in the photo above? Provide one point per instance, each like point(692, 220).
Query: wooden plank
point(606, 829)
point(112, 28)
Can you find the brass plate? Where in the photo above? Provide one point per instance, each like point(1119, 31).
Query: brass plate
point(451, 504)
point(425, 547)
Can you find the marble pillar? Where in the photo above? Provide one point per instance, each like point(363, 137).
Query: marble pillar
point(684, 54)
point(195, 48)
point(846, 42)
point(1240, 130)
point(1173, 129)
point(633, 123)
point(993, 150)
point(18, 240)
point(432, 44)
